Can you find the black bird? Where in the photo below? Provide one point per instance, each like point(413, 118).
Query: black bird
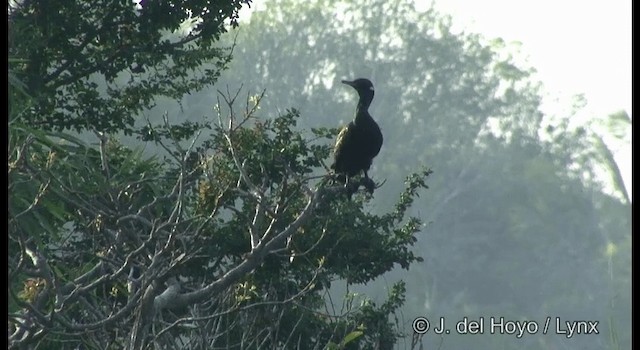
point(360, 140)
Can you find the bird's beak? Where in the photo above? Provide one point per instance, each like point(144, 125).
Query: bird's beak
point(350, 83)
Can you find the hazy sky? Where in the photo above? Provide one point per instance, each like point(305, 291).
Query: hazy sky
point(577, 47)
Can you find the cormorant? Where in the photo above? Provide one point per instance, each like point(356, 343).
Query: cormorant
point(360, 140)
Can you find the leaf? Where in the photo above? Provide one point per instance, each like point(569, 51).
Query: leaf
point(350, 337)
point(17, 83)
point(619, 125)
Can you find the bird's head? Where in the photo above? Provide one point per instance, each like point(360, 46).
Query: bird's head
point(363, 86)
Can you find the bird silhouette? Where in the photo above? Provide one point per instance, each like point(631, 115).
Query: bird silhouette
point(359, 141)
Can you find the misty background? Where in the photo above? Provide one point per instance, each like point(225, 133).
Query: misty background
point(527, 215)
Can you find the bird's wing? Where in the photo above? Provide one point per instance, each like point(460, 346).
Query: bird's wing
point(343, 139)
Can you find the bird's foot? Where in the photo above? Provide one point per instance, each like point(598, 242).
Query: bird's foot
point(379, 184)
point(369, 185)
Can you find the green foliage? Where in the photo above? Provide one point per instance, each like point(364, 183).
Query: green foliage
point(96, 65)
point(518, 221)
point(99, 207)
point(347, 339)
point(518, 226)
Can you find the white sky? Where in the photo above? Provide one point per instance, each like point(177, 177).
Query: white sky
point(577, 47)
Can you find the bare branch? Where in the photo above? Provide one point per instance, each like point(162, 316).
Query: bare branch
point(36, 200)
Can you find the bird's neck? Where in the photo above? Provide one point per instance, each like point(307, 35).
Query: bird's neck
point(362, 110)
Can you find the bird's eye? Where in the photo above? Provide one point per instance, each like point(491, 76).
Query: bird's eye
point(371, 88)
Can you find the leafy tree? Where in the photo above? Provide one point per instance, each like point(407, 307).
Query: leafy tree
point(519, 225)
point(94, 66)
point(241, 252)
point(231, 242)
